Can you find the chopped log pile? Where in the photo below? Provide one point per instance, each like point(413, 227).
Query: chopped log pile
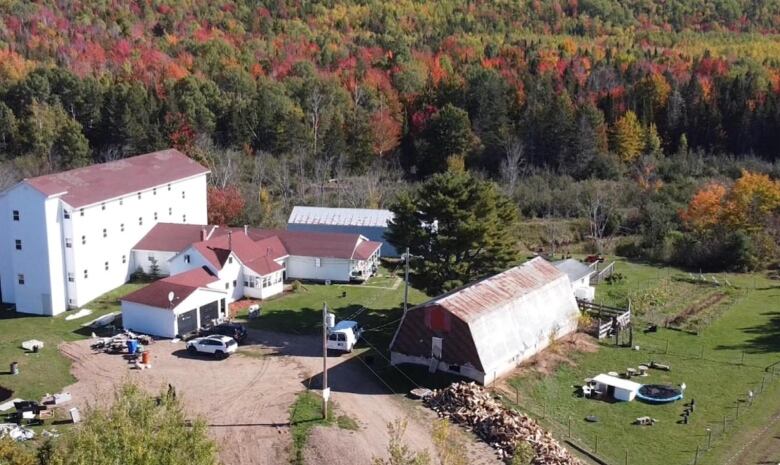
point(472, 406)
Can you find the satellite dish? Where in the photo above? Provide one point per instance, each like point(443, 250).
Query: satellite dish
point(171, 296)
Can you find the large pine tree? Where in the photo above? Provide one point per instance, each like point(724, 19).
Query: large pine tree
point(461, 227)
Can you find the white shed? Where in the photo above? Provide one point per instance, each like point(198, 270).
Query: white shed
point(617, 388)
point(579, 275)
point(194, 305)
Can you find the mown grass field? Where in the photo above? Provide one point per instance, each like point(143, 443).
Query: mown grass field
point(723, 357)
point(376, 305)
point(47, 371)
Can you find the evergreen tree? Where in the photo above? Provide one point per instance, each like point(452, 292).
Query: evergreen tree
point(447, 135)
point(462, 227)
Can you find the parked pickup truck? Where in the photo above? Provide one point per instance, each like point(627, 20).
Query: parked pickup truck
point(344, 335)
point(217, 345)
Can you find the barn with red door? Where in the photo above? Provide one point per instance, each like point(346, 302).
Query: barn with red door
point(484, 330)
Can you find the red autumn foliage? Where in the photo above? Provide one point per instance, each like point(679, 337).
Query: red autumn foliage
point(225, 205)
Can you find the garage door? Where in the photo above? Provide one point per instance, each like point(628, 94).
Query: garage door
point(209, 312)
point(188, 322)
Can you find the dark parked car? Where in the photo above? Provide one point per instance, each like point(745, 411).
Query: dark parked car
point(234, 330)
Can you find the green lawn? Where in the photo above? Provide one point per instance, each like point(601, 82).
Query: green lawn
point(374, 305)
point(746, 327)
point(46, 371)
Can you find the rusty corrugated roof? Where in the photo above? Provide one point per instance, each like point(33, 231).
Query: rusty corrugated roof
point(472, 301)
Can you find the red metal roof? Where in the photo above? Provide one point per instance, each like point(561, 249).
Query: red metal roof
point(86, 186)
point(263, 265)
point(171, 237)
point(474, 300)
point(217, 250)
point(365, 249)
point(313, 244)
point(182, 285)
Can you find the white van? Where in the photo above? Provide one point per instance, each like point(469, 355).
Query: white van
point(344, 335)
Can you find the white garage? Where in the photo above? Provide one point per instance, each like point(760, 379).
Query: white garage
point(193, 304)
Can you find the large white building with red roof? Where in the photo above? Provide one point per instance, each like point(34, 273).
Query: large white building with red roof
point(66, 238)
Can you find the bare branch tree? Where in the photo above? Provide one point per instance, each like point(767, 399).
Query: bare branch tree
point(513, 166)
point(598, 203)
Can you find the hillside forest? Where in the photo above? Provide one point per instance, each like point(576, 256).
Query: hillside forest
point(657, 124)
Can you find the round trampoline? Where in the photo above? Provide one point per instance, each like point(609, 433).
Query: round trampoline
point(659, 393)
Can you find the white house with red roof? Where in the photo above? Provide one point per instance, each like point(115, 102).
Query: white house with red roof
point(237, 262)
point(66, 238)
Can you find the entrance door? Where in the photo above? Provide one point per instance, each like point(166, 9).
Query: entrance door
point(436, 347)
point(188, 322)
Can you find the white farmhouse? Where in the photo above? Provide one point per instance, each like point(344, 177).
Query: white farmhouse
point(66, 238)
point(236, 262)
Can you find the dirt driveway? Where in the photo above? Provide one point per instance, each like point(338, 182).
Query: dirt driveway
point(246, 398)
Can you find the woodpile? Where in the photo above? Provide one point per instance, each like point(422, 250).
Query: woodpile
point(474, 407)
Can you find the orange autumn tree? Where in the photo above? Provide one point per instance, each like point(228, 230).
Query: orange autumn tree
point(749, 204)
point(706, 207)
point(753, 199)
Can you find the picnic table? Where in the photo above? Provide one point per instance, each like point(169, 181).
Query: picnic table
point(630, 372)
point(643, 370)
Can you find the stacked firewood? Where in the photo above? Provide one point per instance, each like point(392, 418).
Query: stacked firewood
point(472, 406)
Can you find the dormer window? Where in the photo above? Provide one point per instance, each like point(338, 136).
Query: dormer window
point(186, 259)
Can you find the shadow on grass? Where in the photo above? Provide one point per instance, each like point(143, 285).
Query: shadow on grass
point(766, 337)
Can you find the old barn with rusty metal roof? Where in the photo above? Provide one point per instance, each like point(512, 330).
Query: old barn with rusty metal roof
point(484, 330)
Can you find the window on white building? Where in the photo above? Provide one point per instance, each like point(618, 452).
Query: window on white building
point(170, 211)
point(103, 206)
point(121, 201)
point(140, 221)
point(71, 277)
point(81, 211)
point(16, 215)
point(169, 186)
point(186, 259)
point(83, 240)
point(68, 242)
point(183, 218)
point(154, 191)
point(124, 258)
point(155, 216)
point(66, 214)
point(105, 232)
point(227, 285)
point(122, 227)
point(106, 266)
point(234, 283)
point(183, 194)
point(86, 274)
point(18, 244)
point(139, 196)
point(317, 262)
point(150, 258)
point(20, 279)
point(230, 259)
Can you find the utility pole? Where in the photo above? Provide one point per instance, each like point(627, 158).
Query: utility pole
point(406, 280)
point(325, 388)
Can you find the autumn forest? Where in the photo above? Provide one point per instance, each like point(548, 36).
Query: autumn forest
point(657, 124)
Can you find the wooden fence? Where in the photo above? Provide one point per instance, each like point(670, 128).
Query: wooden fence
point(607, 316)
point(601, 274)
